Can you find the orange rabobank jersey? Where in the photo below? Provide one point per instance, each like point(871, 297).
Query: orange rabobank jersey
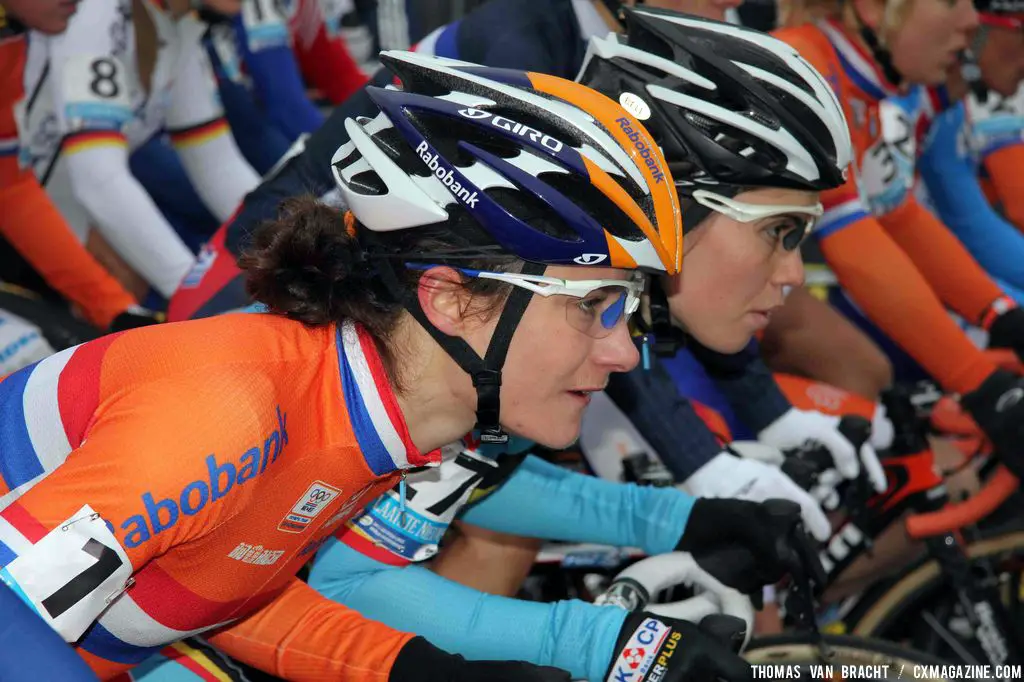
point(891, 255)
point(883, 126)
point(171, 480)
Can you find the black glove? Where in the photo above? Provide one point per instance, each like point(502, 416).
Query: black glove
point(998, 407)
point(653, 647)
point(1007, 331)
point(135, 317)
point(420, 660)
point(747, 545)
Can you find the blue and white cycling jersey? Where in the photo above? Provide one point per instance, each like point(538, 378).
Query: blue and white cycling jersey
point(956, 143)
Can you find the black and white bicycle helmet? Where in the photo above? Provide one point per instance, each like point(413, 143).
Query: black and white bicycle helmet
point(732, 108)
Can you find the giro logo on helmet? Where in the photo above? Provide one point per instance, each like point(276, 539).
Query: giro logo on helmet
point(473, 113)
point(520, 129)
point(446, 176)
point(589, 258)
point(641, 146)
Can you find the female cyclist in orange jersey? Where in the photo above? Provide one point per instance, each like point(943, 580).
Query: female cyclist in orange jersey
point(168, 481)
point(894, 259)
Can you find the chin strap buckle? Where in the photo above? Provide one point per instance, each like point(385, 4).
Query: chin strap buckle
point(488, 388)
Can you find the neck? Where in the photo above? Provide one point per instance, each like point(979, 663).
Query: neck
point(431, 404)
point(956, 86)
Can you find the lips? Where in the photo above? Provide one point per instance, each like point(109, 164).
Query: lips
point(583, 394)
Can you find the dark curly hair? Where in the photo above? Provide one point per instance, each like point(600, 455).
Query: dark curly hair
point(311, 265)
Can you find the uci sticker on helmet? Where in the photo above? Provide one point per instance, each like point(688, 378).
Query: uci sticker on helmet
point(635, 105)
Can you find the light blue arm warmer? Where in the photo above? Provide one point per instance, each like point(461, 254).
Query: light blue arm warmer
point(572, 635)
point(542, 500)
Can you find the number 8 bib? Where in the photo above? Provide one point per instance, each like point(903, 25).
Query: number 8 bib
point(96, 93)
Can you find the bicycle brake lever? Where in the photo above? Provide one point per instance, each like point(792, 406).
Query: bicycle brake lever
point(859, 491)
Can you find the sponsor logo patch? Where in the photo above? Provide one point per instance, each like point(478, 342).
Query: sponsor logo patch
point(316, 498)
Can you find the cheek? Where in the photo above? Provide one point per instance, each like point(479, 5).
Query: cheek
point(545, 349)
point(724, 278)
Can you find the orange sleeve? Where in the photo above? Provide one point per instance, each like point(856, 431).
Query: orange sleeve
point(1003, 168)
point(304, 636)
point(942, 259)
point(807, 394)
point(883, 281)
point(33, 226)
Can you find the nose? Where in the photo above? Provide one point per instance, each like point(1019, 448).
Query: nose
point(789, 269)
point(617, 352)
point(969, 19)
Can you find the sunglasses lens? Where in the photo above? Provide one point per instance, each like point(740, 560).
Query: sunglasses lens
point(599, 312)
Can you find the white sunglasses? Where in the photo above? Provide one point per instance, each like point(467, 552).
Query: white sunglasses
point(803, 216)
point(602, 304)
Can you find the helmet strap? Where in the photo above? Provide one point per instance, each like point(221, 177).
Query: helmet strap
point(970, 71)
point(881, 54)
point(669, 339)
point(485, 372)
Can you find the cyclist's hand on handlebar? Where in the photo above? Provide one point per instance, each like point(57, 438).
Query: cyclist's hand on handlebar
point(759, 538)
point(419, 660)
point(729, 476)
point(1007, 331)
point(796, 427)
point(998, 407)
point(653, 647)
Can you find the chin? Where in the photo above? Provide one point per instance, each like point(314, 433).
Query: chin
point(724, 342)
point(554, 434)
point(1007, 89)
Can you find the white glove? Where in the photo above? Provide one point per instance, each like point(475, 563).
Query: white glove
point(727, 475)
point(796, 427)
point(882, 430)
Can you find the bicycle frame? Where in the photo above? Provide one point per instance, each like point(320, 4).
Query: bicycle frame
point(916, 487)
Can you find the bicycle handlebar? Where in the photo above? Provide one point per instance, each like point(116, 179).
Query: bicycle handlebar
point(953, 517)
point(634, 586)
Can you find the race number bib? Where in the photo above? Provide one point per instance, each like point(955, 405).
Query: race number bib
point(265, 25)
point(433, 498)
point(72, 574)
point(997, 122)
point(96, 93)
point(887, 167)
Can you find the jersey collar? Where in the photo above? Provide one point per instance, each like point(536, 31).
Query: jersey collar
point(857, 63)
point(373, 409)
point(938, 99)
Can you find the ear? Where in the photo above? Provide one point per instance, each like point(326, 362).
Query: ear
point(871, 12)
point(444, 299)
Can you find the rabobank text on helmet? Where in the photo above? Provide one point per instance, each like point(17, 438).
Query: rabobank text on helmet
point(446, 176)
point(645, 152)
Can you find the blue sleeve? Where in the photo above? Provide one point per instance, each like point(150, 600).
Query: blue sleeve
point(30, 650)
point(260, 142)
point(278, 86)
point(542, 500)
point(953, 188)
point(158, 169)
point(572, 635)
point(651, 401)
